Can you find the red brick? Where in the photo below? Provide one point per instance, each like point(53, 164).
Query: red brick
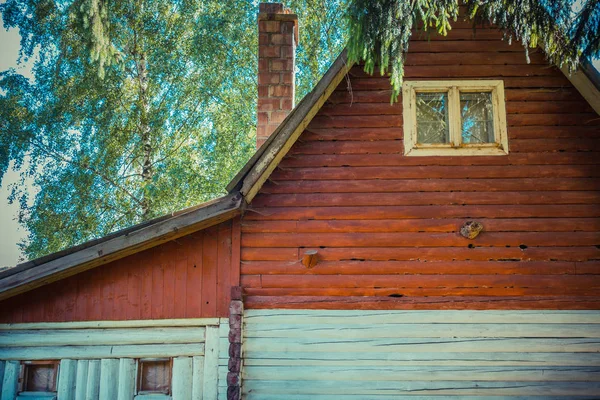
point(235, 350)
point(233, 392)
point(278, 116)
point(268, 78)
point(236, 306)
point(270, 8)
point(260, 142)
point(288, 52)
point(235, 321)
point(287, 79)
point(280, 91)
point(263, 91)
point(236, 293)
point(263, 64)
point(281, 65)
point(233, 378)
point(263, 118)
point(268, 26)
point(234, 365)
point(287, 104)
point(269, 51)
point(269, 104)
point(263, 38)
point(235, 336)
point(288, 26)
point(278, 38)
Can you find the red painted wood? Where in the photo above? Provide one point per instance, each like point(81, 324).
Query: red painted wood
point(168, 281)
point(388, 225)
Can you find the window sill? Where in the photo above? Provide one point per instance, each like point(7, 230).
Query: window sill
point(456, 151)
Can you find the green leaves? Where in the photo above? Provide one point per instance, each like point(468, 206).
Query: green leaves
point(139, 108)
point(380, 30)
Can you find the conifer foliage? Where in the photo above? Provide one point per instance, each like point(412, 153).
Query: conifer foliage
point(379, 31)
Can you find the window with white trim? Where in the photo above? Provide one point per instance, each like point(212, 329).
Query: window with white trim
point(452, 118)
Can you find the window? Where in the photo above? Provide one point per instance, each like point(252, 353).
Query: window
point(38, 376)
point(154, 376)
point(449, 118)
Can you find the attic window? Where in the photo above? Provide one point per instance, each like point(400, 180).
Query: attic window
point(453, 118)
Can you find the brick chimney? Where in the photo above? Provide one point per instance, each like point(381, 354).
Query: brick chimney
point(277, 39)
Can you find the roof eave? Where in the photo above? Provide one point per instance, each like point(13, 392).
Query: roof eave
point(72, 261)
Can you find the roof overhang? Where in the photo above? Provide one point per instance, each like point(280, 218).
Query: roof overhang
point(54, 267)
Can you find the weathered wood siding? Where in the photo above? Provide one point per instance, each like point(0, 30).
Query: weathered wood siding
point(386, 226)
point(355, 354)
point(190, 277)
point(100, 363)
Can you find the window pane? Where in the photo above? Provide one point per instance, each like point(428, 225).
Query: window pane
point(477, 118)
point(155, 376)
point(40, 378)
point(432, 118)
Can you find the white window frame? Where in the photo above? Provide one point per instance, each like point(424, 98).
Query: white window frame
point(455, 147)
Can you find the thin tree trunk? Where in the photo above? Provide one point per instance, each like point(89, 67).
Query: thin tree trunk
point(147, 170)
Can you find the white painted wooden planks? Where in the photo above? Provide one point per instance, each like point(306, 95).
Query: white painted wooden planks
point(86, 337)
point(91, 352)
point(99, 364)
point(328, 354)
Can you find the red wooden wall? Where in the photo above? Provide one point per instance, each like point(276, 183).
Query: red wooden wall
point(190, 277)
point(386, 226)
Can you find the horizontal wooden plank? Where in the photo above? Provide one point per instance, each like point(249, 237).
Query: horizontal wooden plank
point(350, 358)
point(397, 133)
point(543, 94)
point(436, 172)
point(425, 225)
point(154, 323)
point(546, 95)
point(556, 302)
point(353, 121)
point(493, 291)
point(438, 388)
point(433, 185)
point(485, 282)
point(73, 337)
point(397, 212)
point(570, 119)
point(420, 239)
point(267, 396)
point(427, 253)
point(428, 345)
point(536, 145)
point(100, 351)
point(342, 331)
point(362, 317)
point(421, 267)
point(433, 373)
point(425, 198)
point(472, 71)
point(537, 82)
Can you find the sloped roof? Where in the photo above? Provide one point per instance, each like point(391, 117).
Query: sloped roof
point(242, 189)
point(244, 186)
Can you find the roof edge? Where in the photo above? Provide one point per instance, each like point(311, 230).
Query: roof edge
point(36, 273)
point(280, 142)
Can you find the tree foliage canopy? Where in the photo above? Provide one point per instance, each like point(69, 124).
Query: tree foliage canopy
point(379, 31)
point(141, 107)
point(138, 107)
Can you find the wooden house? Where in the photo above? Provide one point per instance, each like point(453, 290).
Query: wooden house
point(445, 246)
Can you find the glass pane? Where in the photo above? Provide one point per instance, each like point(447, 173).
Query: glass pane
point(477, 118)
point(432, 118)
point(40, 377)
point(155, 376)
